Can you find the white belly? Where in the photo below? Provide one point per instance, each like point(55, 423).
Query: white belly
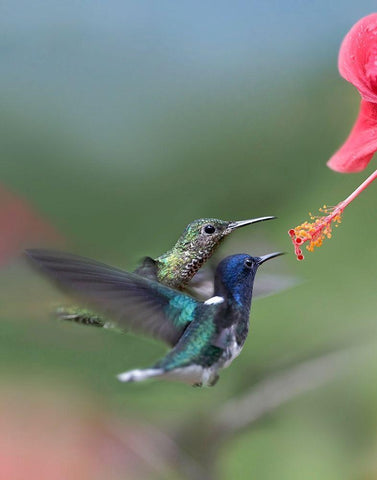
point(231, 353)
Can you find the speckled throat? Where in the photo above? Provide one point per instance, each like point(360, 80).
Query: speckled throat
point(177, 267)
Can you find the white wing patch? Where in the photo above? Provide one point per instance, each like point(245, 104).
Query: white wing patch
point(214, 300)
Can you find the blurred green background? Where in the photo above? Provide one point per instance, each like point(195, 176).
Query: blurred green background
point(122, 122)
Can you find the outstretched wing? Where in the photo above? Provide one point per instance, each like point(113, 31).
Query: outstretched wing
point(147, 268)
point(130, 300)
point(201, 286)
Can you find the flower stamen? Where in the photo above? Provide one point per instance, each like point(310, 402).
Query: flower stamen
point(316, 231)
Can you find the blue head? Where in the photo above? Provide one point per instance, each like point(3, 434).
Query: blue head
point(235, 276)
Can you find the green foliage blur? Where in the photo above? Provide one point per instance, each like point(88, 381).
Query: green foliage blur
point(233, 152)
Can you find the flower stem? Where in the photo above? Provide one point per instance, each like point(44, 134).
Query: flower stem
point(359, 189)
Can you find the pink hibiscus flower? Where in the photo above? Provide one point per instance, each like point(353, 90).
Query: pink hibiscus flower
point(358, 65)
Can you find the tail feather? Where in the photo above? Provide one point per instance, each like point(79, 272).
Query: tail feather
point(192, 375)
point(139, 375)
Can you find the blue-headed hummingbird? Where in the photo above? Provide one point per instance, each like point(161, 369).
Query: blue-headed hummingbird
point(205, 336)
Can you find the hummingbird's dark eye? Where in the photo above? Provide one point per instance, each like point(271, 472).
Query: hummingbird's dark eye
point(248, 263)
point(209, 229)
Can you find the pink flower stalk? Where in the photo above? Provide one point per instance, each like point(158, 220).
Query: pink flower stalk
point(357, 63)
point(314, 233)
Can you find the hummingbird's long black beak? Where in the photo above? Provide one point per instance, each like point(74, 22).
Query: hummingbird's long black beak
point(242, 223)
point(264, 258)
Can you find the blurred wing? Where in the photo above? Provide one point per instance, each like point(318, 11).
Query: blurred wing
point(201, 286)
point(147, 268)
point(266, 284)
point(130, 300)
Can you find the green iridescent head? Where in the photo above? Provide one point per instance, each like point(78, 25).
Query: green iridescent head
point(206, 233)
point(193, 248)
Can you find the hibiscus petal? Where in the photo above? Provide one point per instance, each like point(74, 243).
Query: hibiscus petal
point(361, 144)
point(357, 61)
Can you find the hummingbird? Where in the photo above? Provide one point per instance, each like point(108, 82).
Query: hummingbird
point(177, 266)
point(205, 336)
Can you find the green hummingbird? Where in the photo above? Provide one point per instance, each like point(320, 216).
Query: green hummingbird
point(177, 266)
point(205, 336)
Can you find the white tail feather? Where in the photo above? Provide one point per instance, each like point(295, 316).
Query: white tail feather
point(139, 375)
